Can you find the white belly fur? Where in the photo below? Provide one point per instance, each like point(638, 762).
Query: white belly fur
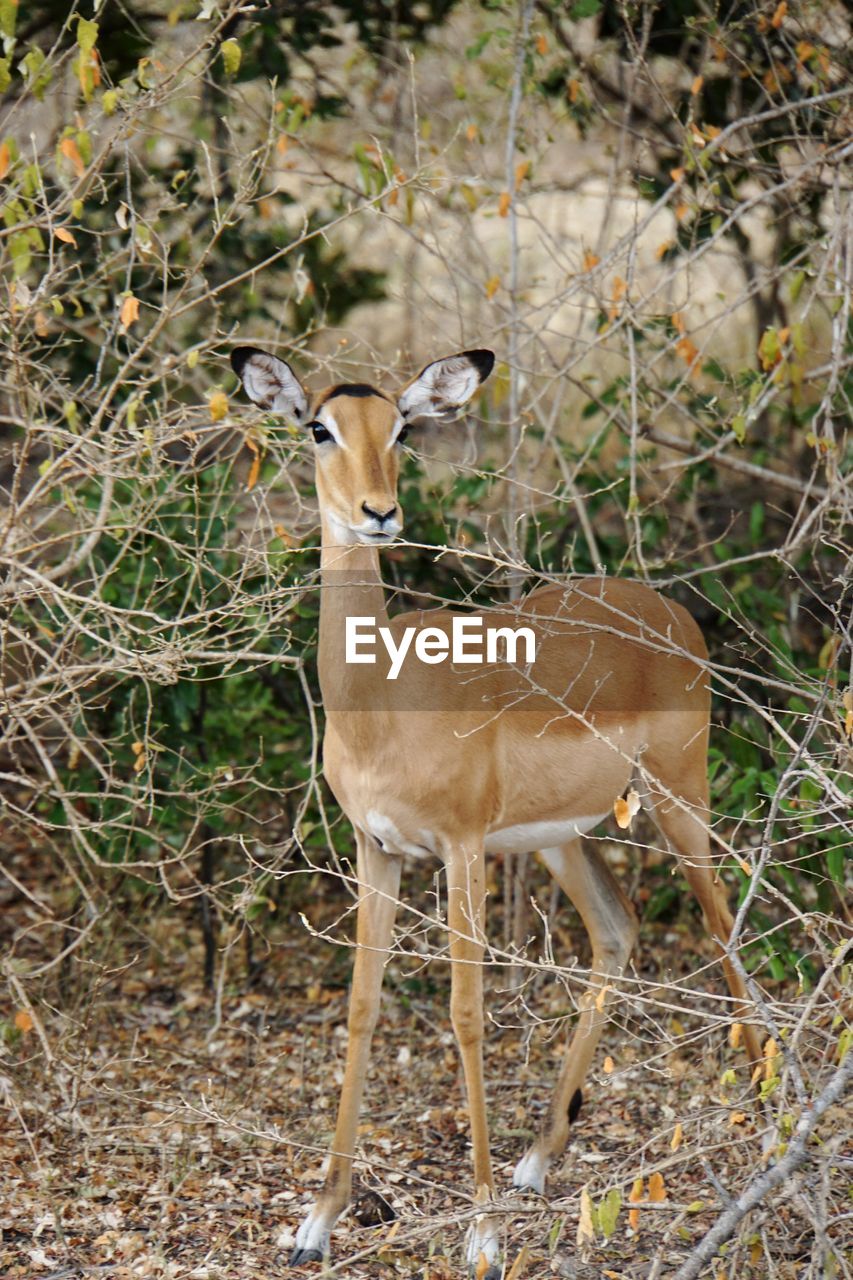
point(540, 835)
point(526, 838)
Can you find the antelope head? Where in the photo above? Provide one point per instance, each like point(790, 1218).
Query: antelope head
point(357, 431)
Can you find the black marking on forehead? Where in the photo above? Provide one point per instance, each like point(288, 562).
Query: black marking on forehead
point(357, 389)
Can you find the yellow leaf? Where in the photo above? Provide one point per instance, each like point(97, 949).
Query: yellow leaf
point(520, 1263)
point(608, 1066)
point(663, 248)
point(574, 87)
point(5, 159)
point(677, 1136)
point(744, 866)
point(218, 405)
point(779, 16)
point(676, 174)
point(129, 311)
point(63, 234)
point(503, 204)
point(735, 1034)
point(590, 260)
point(696, 86)
point(139, 762)
point(771, 1051)
point(635, 1196)
point(586, 1231)
point(601, 997)
point(482, 1266)
point(681, 210)
point(71, 151)
point(23, 1021)
point(136, 747)
point(737, 1117)
point(471, 133)
point(521, 171)
point(40, 325)
point(625, 808)
point(541, 44)
point(492, 285)
point(755, 1253)
point(255, 469)
point(657, 1190)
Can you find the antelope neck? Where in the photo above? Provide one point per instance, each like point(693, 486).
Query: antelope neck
point(351, 586)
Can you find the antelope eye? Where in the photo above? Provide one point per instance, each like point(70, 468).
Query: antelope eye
point(321, 435)
point(401, 435)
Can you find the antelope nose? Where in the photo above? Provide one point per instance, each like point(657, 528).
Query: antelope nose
point(381, 516)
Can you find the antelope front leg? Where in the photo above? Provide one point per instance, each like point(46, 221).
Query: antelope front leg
point(466, 902)
point(378, 890)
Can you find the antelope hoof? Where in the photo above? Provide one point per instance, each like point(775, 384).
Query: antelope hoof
point(483, 1241)
point(305, 1255)
point(530, 1172)
point(312, 1241)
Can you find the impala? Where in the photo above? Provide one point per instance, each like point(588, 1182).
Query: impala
point(457, 761)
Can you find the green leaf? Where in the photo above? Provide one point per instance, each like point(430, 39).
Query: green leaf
point(608, 1211)
point(232, 55)
point(33, 70)
point(739, 427)
point(8, 15)
point(584, 9)
point(5, 74)
point(87, 34)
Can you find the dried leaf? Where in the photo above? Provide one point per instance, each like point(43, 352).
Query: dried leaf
point(574, 90)
point(472, 132)
point(218, 405)
point(625, 808)
point(492, 285)
point(601, 997)
point(541, 44)
point(608, 1066)
point(23, 1021)
point(5, 159)
point(129, 313)
point(71, 151)
point(696, 86)
point(771, 1052)
point(735, 1034)
point(503, 204)
point(744, 866)
point(521, 171)
point(677, 1136)
point(519, 1264)
point(677, 174)
point(590, 260)
point(63, 234)
point(255, 469)
point(737, 1117)
point(586, 1230)
point(779, 16)
point(657, 1190)
point(634, 1198)
point(481, 1267)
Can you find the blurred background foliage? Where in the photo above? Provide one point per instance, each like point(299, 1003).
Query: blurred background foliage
point(180, 176)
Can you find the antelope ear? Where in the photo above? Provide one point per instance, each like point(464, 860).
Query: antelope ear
point(270, 382)
point(443, 388)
